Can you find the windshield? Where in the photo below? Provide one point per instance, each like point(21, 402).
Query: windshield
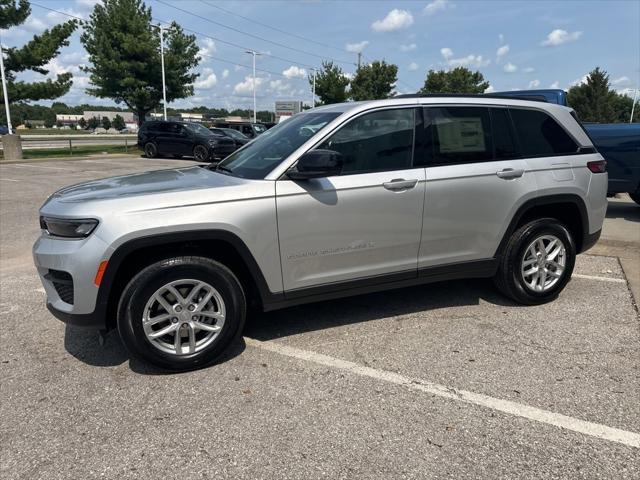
point(263, 154)
point(235, 133)
point(199, 129)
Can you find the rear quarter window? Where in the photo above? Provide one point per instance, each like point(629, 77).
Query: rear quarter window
point(540, 135)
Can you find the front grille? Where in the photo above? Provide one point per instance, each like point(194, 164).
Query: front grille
point(63, 283)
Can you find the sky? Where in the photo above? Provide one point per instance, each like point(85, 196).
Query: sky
point(515, 44)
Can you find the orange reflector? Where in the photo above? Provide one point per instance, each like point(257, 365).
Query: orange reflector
point(100, 273)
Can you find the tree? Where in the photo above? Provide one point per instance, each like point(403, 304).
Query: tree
point(374, 81)
point(331, 84)
point(595, 101)
point(124, 52)
point(49, 119)
point(118, 123)
point(93, 123)
point(458, 80)
point(106, 123)
point(82, 123)
point(33, 56)
point(623, 105)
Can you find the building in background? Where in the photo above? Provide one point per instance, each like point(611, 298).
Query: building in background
point(128, 117)
point(67, 119)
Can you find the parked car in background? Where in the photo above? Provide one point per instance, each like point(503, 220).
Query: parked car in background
point(4, 130)
point(338, 200)
point(183, 139)
point(249, 129)
point(239, 138)
point(619, 143)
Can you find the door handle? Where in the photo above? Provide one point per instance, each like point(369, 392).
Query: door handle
point(508, 173)
point(400, 184)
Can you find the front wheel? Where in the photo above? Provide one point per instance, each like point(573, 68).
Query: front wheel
point(181, 313)
point(200, 153)
point(537, 262)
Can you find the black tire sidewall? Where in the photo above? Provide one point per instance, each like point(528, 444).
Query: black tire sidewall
point(154, 150)
point(150, 279)
point(526, 236)
point(206, 153)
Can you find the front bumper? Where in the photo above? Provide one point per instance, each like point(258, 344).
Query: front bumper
point(80, 260)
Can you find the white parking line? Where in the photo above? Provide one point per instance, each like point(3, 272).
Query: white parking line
point(9, 179)
point(600, 279)
point(597, 430)
point(23, 165)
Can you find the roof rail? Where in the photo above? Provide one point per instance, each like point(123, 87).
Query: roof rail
point(533, 98)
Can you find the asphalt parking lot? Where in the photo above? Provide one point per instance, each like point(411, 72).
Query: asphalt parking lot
point(442, 381)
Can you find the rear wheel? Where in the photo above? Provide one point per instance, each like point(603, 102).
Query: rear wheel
point(537, 262)
point(200, 153)
point(151, 150)
point(181, 313)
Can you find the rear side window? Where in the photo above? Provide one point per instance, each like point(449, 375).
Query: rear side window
point(458, 135)
point(504, 143)
point(540, 135)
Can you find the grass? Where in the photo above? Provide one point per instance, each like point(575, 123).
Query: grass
point(81, 151)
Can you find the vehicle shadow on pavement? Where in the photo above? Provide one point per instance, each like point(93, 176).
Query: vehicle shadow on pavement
point(374, 306)
point(83, 344)
point(625, 210)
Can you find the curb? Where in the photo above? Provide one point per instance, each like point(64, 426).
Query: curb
point(68, 159)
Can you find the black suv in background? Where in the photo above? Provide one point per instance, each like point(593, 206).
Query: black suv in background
point(182, 139)
point(240, 138)
point(248, 129)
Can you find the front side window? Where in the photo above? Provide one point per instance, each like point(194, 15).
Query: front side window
point(268, 150)
point(540, 135)
point(376, 141)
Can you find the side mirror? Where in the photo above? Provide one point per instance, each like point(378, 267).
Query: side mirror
point(317, 164)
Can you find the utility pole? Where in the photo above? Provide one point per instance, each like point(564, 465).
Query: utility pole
point(164, 86)
point(253, 53)
point(359, 59)
point(313, 90)
point(4, 91)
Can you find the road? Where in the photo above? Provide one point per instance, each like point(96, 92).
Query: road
point(448, 380)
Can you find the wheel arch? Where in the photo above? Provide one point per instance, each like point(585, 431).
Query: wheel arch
point(134, 255)
point(570, 209)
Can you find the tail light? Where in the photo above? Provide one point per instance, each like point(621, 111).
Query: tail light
point(599, 166)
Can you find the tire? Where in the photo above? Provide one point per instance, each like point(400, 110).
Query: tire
point(520, 256)
point(200, 153)
point(150, 150)
point(635, 196)
point(221, 297)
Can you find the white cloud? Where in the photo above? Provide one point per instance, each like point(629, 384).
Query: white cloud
point(579, 81)
point(246, 87)
point(555, 84)
point(501, 38)
point(436, 6)
point(502, 51)
point(468, 61)
point(395, 20)
point(225, 73)
point(624, 80)
point(408, 48)
point(629, 92)
point(280, 88)
point(510, 68)
point(207, 80)
point(489, 89)
point(88, 3)
point(413, 66)
point(529, 70)
point(559, 36)
point(207, 49)
point(534, 83)
point(356, 47)
point(294, 72)
point(237, 68)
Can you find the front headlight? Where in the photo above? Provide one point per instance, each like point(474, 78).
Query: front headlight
point(68, 228)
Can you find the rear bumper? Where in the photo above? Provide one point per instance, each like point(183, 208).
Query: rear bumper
point(589, 240)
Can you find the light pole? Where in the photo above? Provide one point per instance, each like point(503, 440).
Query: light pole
point(253, 54)
point(4, 91)
point(164, 87)
point(313, 89)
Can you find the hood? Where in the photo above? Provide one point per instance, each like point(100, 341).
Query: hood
point(146, 183)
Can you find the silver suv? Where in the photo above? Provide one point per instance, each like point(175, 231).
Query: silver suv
point(336, 201)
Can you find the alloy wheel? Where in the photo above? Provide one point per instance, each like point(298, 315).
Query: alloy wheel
point(543, 263)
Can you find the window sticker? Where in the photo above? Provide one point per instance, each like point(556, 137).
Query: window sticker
point(464, 134)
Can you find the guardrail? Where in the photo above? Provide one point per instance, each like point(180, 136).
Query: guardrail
point(32, 142)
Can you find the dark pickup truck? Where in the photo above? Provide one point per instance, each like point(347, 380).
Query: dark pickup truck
point(618, 143)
